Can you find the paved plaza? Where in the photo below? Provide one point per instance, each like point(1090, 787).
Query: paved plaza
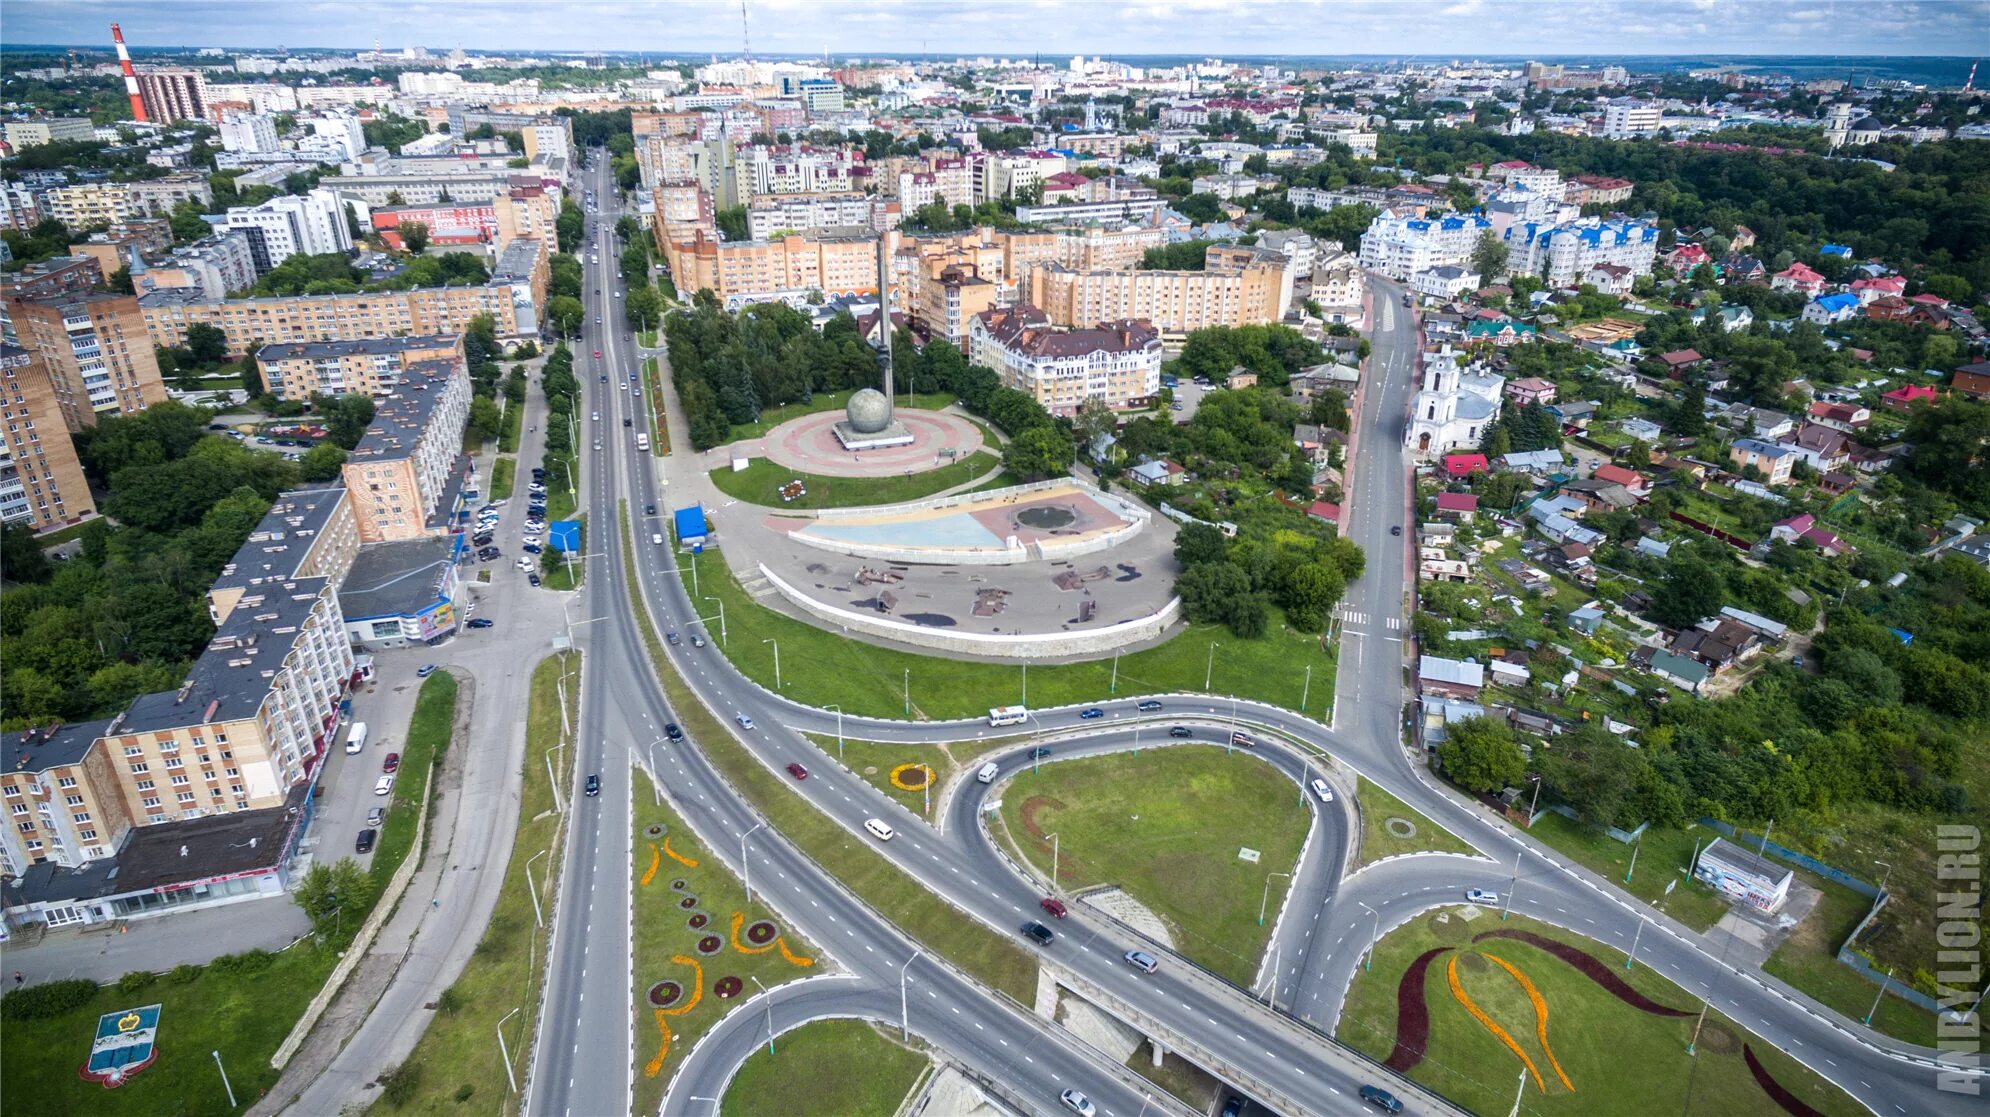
point(809, 445)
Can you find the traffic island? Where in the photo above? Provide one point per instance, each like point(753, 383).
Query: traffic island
point(830, 1068)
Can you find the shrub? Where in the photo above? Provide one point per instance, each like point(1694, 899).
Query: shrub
point(399, 1084)
point(185, 973)
point(449, 1000)
point(464, 1091)
point(134, 981)
point(46, 1000)
point(247, 962)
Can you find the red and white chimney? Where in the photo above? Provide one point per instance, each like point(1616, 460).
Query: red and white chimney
point(130, 77)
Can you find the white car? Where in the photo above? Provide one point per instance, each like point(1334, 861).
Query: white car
point(879, 830)
point(383, 785)
point(1077, 1103)
point(1325, 793)
point(523, 564)
point(1481, 896)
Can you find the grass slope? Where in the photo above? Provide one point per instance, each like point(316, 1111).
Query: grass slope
point(421, 749)
point(830, 1068)
point(1377, 842)
point(760, 483)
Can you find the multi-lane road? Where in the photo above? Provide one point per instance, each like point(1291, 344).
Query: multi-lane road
point(589, 1025)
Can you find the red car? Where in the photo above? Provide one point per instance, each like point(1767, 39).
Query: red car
point(392, 762)
point(597, 354)
point(1054, 906)
point(797, 771)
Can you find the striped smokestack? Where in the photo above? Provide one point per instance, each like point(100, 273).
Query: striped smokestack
point(130, 78)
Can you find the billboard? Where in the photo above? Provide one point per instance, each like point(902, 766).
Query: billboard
point(126, 1043)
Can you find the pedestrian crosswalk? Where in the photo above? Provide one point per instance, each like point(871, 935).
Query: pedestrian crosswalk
point(1356, 616)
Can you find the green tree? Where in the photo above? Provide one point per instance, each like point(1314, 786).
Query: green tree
point(485, 419)
point(346, 417)
point(322, 462)
point(414, 236)
point(1199, 543)
point(566, 314)
point(252, 370)
point(1038, 453)
point(1311, 591)
point(570, 227)
point(1481, 755)
point(335, 897)
point(21, 554)
point(1690, 591)
point(1489, 257)
point(731, 222)
point(207, 345)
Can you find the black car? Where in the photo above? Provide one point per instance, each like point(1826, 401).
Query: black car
point(1381, 1099)
point(1039, 752)
point(649, 509)
point(1149, 706)
point(627, 422)
point(538, 473)
point(1396, 529)
point(484, 540)
point(365, 841)
point(533, 578)
point(671, 636)
point(1234, 1107)
point(671, 731)
point(1180, 731)
point(489, 554)
point(593, 785)
point(1042, 935)
point(483, 622)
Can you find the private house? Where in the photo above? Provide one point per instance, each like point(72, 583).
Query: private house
point(1906, 396)
point(1537, 462)
point(1464, 465)
point(1805, 527)
point(1774, 460)
point(1972, 381)
point(1682, 672)
point(1325, 510)
point(1678, 361)
point(1799, 277)
point(1164, 473)
point(1850, 417)
point(1642, 429)
point(1530, 390)
point(1459, 507)
point(1240, 378)
point(1825, 448)
point(1826, 309)
point(1686, 257)
point(1436, 713)
point(1501, 333)
point(1880, 287)
point(1637, 484)
point(1733, 319)
point(1716, 645)
point(1597, 495)
point(1451, 678)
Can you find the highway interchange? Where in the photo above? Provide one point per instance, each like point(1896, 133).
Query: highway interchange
point(1281, 1058)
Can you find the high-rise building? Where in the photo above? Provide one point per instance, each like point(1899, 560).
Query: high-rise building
point(1399, 246)
point(216, 266)
point(95, 348)
point(373, 367)
point(1627, 119)
point(1176, 302)
point(400, 472)
point(252, 132)
point(49, 129)
point(41, 482)
point(1118, 363)
point(313, 224)
point(366, 314)
point(172, 95)
point(1561, 254)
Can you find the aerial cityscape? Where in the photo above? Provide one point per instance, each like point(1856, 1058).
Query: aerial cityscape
point(1243, 520)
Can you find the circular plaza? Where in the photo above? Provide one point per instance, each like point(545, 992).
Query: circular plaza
point(810, 444)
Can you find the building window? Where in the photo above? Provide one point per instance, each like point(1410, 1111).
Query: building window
point(151, 801)
point(66, 781)
point(82, 816)
point(20, 808)
point(140, 768)
point(186, 796)
point(133, 750)
point(73, 800)
point(87, 835)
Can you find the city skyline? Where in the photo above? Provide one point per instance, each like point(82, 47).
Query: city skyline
point(1050, 27)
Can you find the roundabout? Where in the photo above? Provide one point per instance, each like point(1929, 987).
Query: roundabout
point(834, 444)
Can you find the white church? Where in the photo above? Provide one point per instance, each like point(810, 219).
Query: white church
point(1454, 408)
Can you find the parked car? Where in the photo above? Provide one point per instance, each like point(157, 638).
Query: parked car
point(534, 579)
point(1038, 933)
point(392, 762)
point(425, 670)
point(364, 841)
point(1325, 793)
point(671, 731)
point(1180, 731)
point(1376, 1095)
point(532, 549)
point(797, 771)
point(1054, 906)
point(1142, 961)
point(1092, 713)
point(523, 564)
point(383, 785)
point(1077, 1103)
point(1481, 896)
point(1149, 706)
point(483, 622)
point(375, 816)
point(1234, 1106)
point(593, 785)
point(744, 721)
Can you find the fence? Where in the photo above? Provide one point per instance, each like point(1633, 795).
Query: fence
point(1728, 538)
point(1847, 956)
point(1614, 833)
point(1793, 857)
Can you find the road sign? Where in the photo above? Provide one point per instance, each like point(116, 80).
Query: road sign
point(126, 1043)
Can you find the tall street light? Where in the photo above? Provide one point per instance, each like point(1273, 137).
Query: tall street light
point(839, 728)
point(504, 1052)
point(1265, 901)
point(770, 1014)
point(745, 866)
point(904, 1006)
point(533, 889)
point(1209, 668)
point(1053, 860)
point(777, 659)
point(1374, 936)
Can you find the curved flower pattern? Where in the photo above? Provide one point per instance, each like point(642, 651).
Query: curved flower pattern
point(911, 777)
point(1412, 1014)
point(1458, 992)
point(739, 918)
point(1540, 1015)
point(793, 958)
point(655, 1066)
point(1588, 966)
point(656, 862)
point(697, 986)
point(687, 862)
point(1791, 1104)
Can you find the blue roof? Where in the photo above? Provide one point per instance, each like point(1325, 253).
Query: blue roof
point(1842, 301)
point(563, 535)
point(691, 524)
point(1835, 250)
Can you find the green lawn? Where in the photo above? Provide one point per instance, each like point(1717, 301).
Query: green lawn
point(60, 535)
point(760, 483)
point(1378, 841)
point(668, 947)
point(820, 667)
point(1620, 1060)
point(244, 1015)
point(508, 431)
point(829, 1068)
point(458, 1052)
point(993, 959)
point(1666, 856)
point(827, 401)
point(653, 418)
point(1167, 826)
point(422, 748)
point(503, 474)
point(1808, 960)
point(874, 761)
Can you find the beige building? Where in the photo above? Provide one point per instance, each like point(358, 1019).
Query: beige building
point(96, 351)
point(91, 204)
point(292, 318)
point(835, 262)
point(401, 473)
point(41, 481)
point(527, 211)
point(64, 798)
point(371, 366)
point(49, 129)
point(1176, 302)
point(1116, 362)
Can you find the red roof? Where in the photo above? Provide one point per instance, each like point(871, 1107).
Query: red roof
point(1462, 465)
point(1800, 272)
point(1908, 393)
point(1680, 356)
point(1326, 510)
point(1629, 478)
point(1457, 502)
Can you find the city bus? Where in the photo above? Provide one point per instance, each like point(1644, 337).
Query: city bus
point(1008, 715)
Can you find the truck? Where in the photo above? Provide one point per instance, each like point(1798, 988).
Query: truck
point(642, 441)
point(1008, 715)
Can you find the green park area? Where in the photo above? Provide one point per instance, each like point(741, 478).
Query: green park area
point(1465, 1006)
point(762, 480)
point(829, 401)
point(458, 1058)
point(914, 775)
point(829, 1068)
point(1175, 829)
point(1389, 828)
point(824, 668)
point(1660, 877)
point(503, 476)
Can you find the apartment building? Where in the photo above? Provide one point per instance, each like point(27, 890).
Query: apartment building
point(831, 261)
point(448, 223)
point(1400, 246)
point(1116, 211)
point(1174, 302)
point(49, 129)
point(1117, 362)
point(1563, 253)
point(214, 266)
point(804, 213)
point(95, 349)
point(63, 797)
point(91, 204)
point(290, 318)
point(527, 212)
point(373, 366)
point(950, 300)
point(248, 132)
point(20, 208)
point(55, 276)
point(41, 481)
point(1258, 259)
point(1628, 119)
point(173, 95)
point(417, 188)
point(156, 197)
point(339, 136)
point(403, 470)
point(312, 224)
point(1584, 190)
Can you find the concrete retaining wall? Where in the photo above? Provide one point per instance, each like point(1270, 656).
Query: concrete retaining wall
point(1006, 645)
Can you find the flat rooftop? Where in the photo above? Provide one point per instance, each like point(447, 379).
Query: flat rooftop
point(397, 579)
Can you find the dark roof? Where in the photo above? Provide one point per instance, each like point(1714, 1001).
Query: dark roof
point(232, 676)
point(399, 420)
point(169, 853)
point(290, 350)
point(397, 579)
point(1026, 329)
point(53, 746)
point(283, 537)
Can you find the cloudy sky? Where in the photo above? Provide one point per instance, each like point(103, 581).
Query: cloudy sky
point(1053, 27)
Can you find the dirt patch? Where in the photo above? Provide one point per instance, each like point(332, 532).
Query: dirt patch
point(1446, 927)
point(1718, 1038)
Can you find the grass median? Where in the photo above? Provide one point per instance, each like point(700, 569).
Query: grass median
point(1170, 827)
point(760, 483)
point(829, 1068)
point(990, 957)
point(504, 473)
point(895, 768)
point(820, 667)
point(1620, 1058)
point(457, 1060)
point(421, 750)
point(1383, 819)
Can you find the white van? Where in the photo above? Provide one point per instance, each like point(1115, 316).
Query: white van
point(355, 742)
point(879, 830)
point(987, 773)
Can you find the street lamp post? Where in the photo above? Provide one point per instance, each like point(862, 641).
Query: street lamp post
point(777, 658)
point(1511, 884)
point(745, 866)
point(770, 1014)
point(505, 1052)
point(1265, 900)
point(904, 1006)
point(1635, 850)
point(1374, 936)
point(1113, 688)
point(1535, 800)
point(224, 1079)
point(1306, 690)
point(1632, 958)
point(1876, 996)
point(1054, 849)
point(1209, 668)
point(839, 728)
point(533, 889)
point(1026, 685)
point(1883, 876)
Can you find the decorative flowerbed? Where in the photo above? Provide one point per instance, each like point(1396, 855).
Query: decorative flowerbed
point(728, 987)
point(911, 777)
point(665, 993)
point(697, 921)
point(1792, 1105)
point(1412, 1013)
point(710, 944)
point(1587, 965)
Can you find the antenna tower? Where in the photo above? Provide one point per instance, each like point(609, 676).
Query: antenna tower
point(745, 35)
point(130, 77)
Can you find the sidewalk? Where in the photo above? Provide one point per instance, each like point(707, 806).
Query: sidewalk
point(161, 942)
